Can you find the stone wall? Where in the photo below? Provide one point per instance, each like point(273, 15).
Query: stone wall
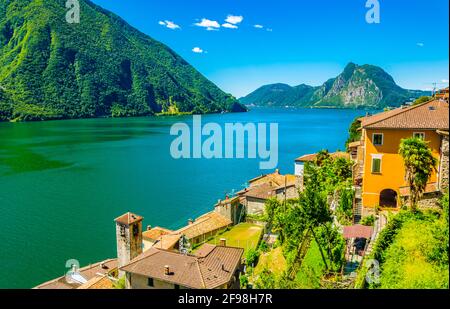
point(444, 164)
point(135, 281)
point(255, 206)
point(428, 201)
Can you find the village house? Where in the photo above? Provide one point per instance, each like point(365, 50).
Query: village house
point(379, 173)
point(195, 232)
point(268, 186)
point(212, 267)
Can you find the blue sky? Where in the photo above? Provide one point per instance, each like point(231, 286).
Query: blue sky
point(299, 41)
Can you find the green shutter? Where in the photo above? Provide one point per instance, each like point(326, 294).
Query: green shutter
point(376, 165)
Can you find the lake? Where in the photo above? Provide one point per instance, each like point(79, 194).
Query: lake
point(62, 183)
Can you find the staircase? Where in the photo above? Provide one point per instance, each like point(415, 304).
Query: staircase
point(357, 205)
point(379, 225)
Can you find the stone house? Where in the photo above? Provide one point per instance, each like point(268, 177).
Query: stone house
point(268, 186)
point(212, 267)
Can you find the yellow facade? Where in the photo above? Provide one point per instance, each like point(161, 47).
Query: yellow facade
point(392, 171)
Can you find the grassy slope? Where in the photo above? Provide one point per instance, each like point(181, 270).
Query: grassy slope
point(244, 235)
point(273, 260)
point(312, 269)
point(409, 260)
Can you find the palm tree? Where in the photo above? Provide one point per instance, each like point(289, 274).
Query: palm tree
point(419, 165)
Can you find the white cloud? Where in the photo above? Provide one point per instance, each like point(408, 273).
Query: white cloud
point(258, 26)
point(269, 29)
point(208, 24)
point(233, 19)
point(445, 81)
point(169, 24)
point(229, 26)
point(198, 50)
point(420, 44)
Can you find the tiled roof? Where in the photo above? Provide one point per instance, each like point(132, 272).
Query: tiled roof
point(167, 242)
point(431, 115)
point(128, 218)
point(357, 231)
point(88, 272)
point(208, 271)
point(312, 157)
point(97, 283)
point(275, 177)
point(263, 191)
point(354, 144)
point(155, 233)
point(207, 223)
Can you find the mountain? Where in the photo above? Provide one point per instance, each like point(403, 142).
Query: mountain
point(365, 86)
point(50, 69)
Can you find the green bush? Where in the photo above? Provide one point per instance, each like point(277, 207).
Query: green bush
point(251, 257)
point(369, 220)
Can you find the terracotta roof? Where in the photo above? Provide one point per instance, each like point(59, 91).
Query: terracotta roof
point(128, 218)
point(429, 115)
point(312, 157)
point(88, 272)
point(358, 231)
point(287, 185)
point(167, 242)
point(275, 177)
point(207, 223)
point(263, 191)
point(97, 283)
point(210, 271)
point(354, 144)
point(155, 233)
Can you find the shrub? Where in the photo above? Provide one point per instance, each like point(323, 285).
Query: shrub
point(369, 220)
point(251, 257)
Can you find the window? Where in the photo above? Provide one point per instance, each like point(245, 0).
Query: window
point(420, 135)
point(135, 230)
point(150, 282)
point(376, 165)
point(377, 139)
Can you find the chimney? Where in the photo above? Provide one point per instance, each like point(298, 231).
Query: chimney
point(149, 227)
point(167, 270)
point(277, 171)
point(190, 222)
point(223, 242)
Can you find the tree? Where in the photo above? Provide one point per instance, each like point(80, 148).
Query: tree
point(422, 99)
point(419, 165)
point(354, 134)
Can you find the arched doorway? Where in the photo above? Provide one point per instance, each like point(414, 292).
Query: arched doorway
point(388, 198)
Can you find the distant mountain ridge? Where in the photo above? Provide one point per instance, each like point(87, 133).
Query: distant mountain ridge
point(50, 69)
point(365, 86)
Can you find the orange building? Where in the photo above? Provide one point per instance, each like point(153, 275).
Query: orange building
point(379, 172)
point(442, 94)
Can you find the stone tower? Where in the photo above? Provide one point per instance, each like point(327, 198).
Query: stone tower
point(129, 238)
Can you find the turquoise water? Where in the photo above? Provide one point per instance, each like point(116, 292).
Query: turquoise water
point(62, 183)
